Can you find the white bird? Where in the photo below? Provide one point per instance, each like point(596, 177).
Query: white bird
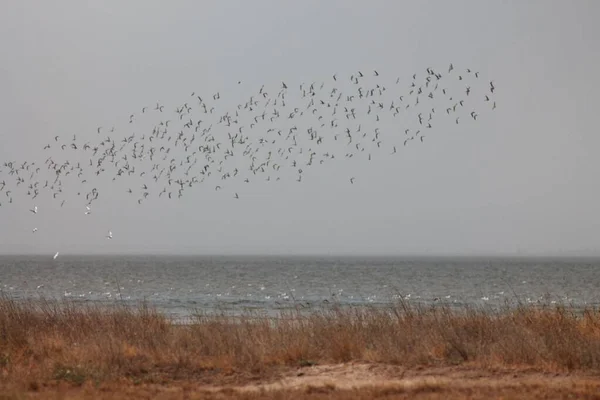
point(34, 210)
point(88, 210)
point(34, 230)
point(56, 255)
point(109, 236)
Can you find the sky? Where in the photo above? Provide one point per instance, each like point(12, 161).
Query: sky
point(521, 180)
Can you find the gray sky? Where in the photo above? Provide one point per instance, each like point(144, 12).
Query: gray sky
point(522, 179)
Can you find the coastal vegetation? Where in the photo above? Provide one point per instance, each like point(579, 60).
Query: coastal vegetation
point(84, 350)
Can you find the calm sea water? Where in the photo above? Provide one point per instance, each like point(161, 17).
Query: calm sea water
point(183, 285)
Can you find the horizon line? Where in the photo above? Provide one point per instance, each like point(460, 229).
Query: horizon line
point(309, 255)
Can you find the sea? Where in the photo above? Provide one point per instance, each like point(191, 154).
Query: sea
point(184, 286)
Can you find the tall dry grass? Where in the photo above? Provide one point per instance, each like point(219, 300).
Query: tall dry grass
point(44, 341)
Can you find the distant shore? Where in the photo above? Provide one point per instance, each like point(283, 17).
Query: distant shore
point(76, 348)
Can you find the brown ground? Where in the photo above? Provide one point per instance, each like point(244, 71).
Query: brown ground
point(344, 381)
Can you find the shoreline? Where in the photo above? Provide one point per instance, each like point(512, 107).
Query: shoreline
point(293, 309)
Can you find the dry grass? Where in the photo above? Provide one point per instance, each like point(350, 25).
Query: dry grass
point(46, 344)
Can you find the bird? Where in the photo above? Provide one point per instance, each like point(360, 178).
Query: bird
point(109, 235)
point(34, 210)
point(34, 230)
point(55, 255)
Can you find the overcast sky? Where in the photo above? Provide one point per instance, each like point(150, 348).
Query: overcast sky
point(523, 179)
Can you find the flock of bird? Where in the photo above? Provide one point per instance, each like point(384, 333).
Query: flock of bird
point(202, 141)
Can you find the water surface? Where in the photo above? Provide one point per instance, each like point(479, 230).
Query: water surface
point(180, 285)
